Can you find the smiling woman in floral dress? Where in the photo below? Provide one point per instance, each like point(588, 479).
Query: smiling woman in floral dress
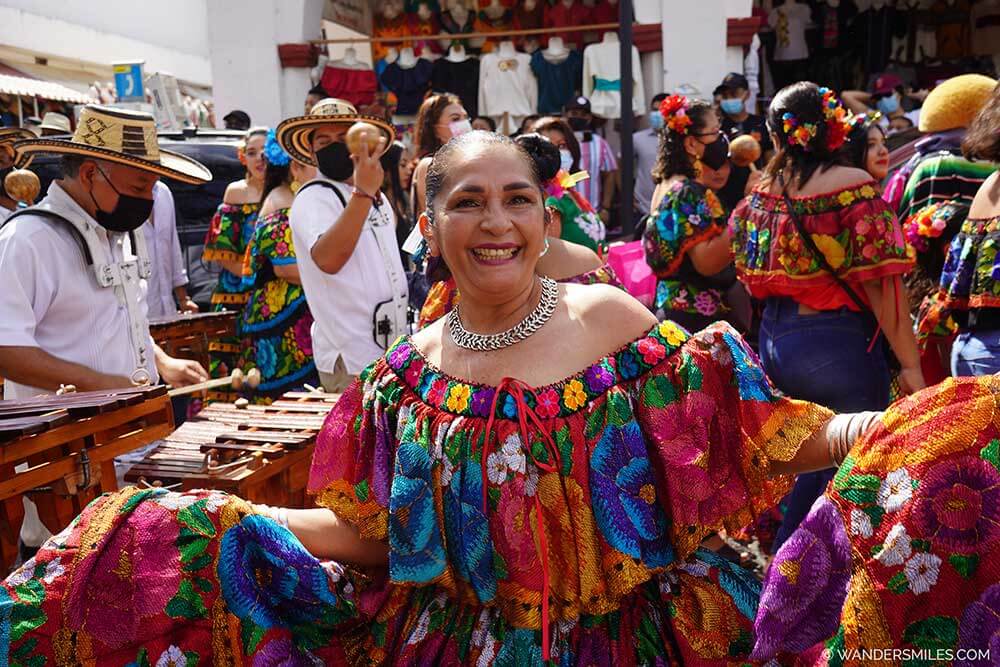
point(558, 515)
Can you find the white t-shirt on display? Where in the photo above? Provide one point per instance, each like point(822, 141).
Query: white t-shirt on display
point(789, 23)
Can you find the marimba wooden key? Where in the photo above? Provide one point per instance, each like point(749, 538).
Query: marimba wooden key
point(69, 444)
point(259, 452)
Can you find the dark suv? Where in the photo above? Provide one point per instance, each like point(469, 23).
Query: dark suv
point(195, 204)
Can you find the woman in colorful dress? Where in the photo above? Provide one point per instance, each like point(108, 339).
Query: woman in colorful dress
point(825, 315)
point(970, 281)
point(228, 235)
point(557, 516)
point(276, 318)
point(564, 260)
point(685, 239)
point(578, 222)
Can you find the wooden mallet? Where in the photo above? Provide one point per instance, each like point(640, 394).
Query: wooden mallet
point(236, 380)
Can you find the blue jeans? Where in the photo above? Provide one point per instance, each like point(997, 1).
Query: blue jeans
point(976, 353)
point(822, 358)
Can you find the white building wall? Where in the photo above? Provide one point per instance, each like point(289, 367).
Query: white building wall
point(695, 55)
point(170, 36)
point(246, 71)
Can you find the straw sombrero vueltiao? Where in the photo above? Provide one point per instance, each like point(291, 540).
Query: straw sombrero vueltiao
point(294, 134)
point(125, 137)
point(10, 135)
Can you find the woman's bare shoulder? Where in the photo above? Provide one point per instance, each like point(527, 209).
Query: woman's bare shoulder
point(237, 192)
point(610, 316)
point(834, 179)
point(567, 260)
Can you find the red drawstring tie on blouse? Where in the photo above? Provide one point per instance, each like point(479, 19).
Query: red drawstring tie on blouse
point(525, 414)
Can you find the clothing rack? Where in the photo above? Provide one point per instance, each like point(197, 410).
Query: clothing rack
point(468, 35)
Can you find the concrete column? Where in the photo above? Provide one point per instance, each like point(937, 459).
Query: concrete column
point(695, 56)
point(243, 49)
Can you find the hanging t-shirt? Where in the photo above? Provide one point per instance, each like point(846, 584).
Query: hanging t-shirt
point(561, 16)
point(557, 82)
point(408, 84)
point(462, 79)
point(789, 23)
point(602, 80)
point(507, 85)
point(357, 86)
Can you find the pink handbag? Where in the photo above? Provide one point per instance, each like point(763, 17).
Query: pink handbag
point(629, 262)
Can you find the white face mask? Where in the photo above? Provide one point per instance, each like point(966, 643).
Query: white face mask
point(565, 159)
point(460, 127)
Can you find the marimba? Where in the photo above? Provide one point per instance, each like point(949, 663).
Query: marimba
point(69, 444)
point(259, 452)
point(187, 335)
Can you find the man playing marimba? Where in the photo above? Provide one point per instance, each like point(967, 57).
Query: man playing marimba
point(73, 308)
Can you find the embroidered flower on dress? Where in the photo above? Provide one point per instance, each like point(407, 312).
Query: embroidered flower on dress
point(496, 468)
point(437, 391)
point(482, 401)
point(895, 490)
point(399, 355)
point(53, 570)
point(172, 657)
point(922, 572)
point(458, 398)
point(513, 453)
point(573, 395)
point(896, 548)
point(548, 404)
point(651, 350)
point(598, 378)
point(671, 332)
point(861, 524)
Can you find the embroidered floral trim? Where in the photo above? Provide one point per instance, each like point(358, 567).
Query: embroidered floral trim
point(464, 398)
point(814, 204)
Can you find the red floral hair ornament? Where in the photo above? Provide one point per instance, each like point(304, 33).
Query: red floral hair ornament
point(674, 110)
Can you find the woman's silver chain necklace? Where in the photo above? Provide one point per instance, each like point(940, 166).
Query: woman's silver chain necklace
point(498, 341)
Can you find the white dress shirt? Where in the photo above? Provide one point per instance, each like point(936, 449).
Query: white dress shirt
point(165, 254)
point(51, 299)
point(343, 303)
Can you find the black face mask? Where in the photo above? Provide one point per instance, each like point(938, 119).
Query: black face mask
point(334, 161)
point(578, 124)
point(716, 153)
point(129, 213)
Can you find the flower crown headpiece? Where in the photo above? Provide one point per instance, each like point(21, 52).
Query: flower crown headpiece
point(273, 152)
point(838, 124)
point(674, 110)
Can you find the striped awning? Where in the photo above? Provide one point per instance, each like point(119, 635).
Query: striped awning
point(19, 85)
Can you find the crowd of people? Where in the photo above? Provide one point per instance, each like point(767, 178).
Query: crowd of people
point(539, 467)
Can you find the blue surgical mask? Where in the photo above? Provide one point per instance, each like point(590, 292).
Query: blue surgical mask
point(656, 120)
point(565, 159)
point(731, 106)
point(888, 104)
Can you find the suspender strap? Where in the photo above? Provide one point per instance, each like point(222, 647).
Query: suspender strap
point(45, 213)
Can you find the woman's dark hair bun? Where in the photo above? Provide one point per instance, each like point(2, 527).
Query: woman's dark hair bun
point(543, 153)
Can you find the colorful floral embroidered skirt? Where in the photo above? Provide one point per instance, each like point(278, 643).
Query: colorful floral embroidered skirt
point(158, 578)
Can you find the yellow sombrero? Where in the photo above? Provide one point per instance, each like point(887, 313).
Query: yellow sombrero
point(125, 137)
point(955, 102)
point(293, 134)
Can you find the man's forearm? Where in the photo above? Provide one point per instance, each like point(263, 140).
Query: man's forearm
point(34, 367)
point(334, 248)
point(181, 293)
